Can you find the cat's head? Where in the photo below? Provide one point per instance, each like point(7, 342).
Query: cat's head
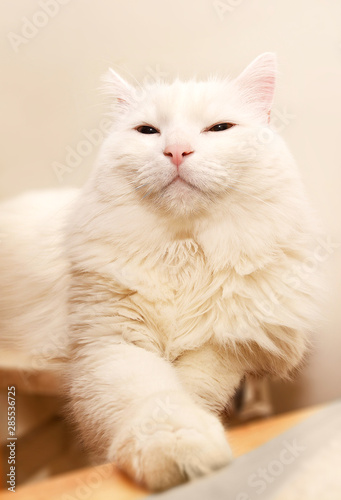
point(182, 148)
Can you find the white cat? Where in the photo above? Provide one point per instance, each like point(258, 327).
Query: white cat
point(170, 275)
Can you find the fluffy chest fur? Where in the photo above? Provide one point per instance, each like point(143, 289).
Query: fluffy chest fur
point(179, 299)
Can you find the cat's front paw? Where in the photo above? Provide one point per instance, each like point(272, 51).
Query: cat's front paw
point(170, 441)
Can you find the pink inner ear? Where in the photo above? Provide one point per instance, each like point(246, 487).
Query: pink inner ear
point(257, 84)
point(264, 89)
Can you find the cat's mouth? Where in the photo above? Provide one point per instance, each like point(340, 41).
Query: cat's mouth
point(178, 180)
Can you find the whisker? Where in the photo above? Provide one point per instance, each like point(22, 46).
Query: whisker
point(148, 192)
point(141, 186)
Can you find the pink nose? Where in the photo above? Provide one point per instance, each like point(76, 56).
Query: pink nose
point(177, 153)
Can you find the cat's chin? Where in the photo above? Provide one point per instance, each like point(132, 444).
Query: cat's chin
point(181, 199)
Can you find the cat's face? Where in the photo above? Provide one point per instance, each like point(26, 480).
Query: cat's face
point(184, 147)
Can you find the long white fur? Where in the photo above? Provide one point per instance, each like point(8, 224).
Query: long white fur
point(162, 296)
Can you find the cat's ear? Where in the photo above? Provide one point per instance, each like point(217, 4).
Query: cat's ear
point(120, 92)
point(257, 83)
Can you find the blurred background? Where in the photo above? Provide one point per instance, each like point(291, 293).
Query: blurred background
point(53, 53)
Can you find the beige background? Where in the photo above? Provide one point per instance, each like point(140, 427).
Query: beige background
point(50, 102)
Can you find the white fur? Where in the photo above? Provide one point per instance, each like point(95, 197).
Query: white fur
point(173, 290)
point(34, 273)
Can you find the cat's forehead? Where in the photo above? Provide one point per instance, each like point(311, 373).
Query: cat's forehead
point(190, 100)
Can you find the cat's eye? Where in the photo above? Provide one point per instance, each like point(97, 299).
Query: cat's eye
point(147, 129)
point(220, 126)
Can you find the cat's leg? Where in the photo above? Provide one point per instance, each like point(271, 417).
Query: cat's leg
point(131, 403)
point(210, 374)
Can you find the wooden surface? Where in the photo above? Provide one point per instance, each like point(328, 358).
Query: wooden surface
point(28, 374)
point(105, 482)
